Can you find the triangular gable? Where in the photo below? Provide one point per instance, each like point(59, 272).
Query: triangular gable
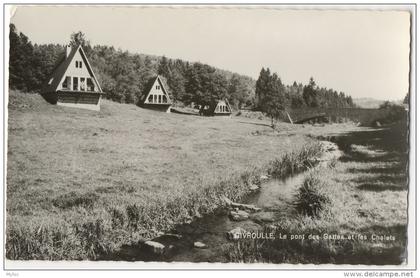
point(153, 82)
point(55, 79)
point(228, 104)
point(59, 73)
point(220, 103)
point(89, 68)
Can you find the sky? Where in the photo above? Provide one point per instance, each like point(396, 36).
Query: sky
point(362, 53)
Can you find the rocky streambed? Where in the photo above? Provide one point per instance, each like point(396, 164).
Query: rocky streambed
point(204, 239)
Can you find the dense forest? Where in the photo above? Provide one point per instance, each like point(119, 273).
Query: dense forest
point(124, 75)
point(269, 87)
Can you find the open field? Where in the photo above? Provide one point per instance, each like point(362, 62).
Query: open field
point(363, 194)
point(82, 183)
point(78, 179)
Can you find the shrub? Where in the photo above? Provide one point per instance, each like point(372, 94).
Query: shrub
point(297, 161)
point(310, 199)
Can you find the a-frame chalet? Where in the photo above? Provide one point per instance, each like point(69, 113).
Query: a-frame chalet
point(222, 108)
point(73, 82)
point(156, 95)
point(218, 108)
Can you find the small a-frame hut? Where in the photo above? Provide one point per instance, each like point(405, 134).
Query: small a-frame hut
point(73, 82)
point(222, 108)
point(219, 108)
point(156, 95)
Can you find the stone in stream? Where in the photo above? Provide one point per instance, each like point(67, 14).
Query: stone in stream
point(236, 233)
point(254, 187)
point(247, 207)
point(155, 247)
point(264, 178)
point(234, 205)
point(199, 245)
point(238, 215)
point(263, 217)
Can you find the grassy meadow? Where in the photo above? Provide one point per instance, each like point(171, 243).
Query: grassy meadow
point(81, 183)
point(363, 193)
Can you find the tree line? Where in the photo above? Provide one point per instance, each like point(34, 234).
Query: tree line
point(123, 77)
point(273, 97)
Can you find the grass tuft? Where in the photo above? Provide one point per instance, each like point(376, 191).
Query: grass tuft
point(310, 199)
point(296, 161)
point(74, 199)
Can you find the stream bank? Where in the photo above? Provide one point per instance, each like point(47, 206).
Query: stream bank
point(204, 239)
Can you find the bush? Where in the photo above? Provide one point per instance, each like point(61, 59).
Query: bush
point(310, 199)
point(394, 113)
point(294, 162)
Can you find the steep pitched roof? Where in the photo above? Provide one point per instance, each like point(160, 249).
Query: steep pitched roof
point(57, 76)
point(218, 102)
point(149, 86)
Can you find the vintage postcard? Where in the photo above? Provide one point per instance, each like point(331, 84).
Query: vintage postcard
point(209, 136)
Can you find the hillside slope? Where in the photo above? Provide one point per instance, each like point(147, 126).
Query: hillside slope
point(70, 170)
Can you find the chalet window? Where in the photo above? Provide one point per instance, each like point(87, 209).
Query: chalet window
point(164, 100)
point(160, 99)
point(90, 86)
point(150, 98)
point(154, 98)
point(66, 82)
point(157, 87)
point(78, 64)
point(75, 83)
point(82, 84)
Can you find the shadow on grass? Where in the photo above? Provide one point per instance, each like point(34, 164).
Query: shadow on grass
point(383, 178)
point(391, 139)
point(377, 187)
point(387, 146)
point(388, 169)
point(252, 123)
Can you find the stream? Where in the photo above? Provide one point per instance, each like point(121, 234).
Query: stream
point(274, 199)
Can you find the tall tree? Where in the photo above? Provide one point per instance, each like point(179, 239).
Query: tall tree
point(79, 38)
point(164, 67)
point(272, 97)
point(261, 86)
point(310, 94)
point(238, 91)
point(23, 64)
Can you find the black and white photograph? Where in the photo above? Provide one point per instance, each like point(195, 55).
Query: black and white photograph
point(209, 136)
